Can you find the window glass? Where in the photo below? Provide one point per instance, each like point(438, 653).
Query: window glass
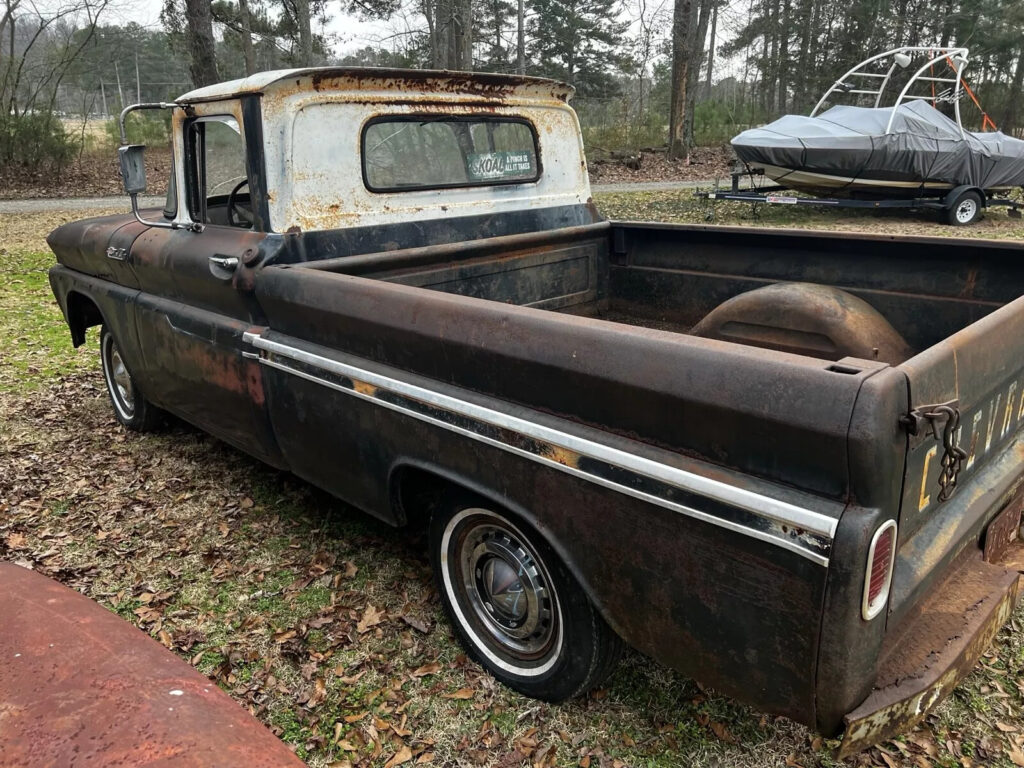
point(224, 156)
point(218, 156)
point(428, 153)
point(171, 203)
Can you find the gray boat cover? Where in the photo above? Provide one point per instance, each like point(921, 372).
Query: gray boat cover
point(924, 145)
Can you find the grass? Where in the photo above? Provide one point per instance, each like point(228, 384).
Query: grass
point(260, 581)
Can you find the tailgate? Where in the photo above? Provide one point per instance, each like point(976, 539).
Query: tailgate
point(964, 469)
point(958, 473)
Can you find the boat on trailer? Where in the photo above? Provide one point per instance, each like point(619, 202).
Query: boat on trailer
point(908, 148)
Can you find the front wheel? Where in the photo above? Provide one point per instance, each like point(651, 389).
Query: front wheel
point(515, 606)
point(130, 407)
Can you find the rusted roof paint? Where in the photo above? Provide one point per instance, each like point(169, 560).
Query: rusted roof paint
point(79, 686)
point(477, 84)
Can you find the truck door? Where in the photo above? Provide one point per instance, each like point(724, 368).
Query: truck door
point(191, 311)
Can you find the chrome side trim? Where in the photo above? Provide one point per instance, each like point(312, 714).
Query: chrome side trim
point(803, 531)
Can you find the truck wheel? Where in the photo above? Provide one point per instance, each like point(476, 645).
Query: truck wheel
point(130, 407)
point(965, 209)
point(515, 606)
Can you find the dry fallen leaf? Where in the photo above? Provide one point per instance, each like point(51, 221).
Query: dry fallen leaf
point(371, 618)
point(722, 732)
point(427, 669)
point(404, 755)
point(462, 693)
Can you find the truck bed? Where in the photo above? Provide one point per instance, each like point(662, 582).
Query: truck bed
point(669, 278)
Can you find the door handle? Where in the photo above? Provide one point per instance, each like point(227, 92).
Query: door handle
point(225, 262)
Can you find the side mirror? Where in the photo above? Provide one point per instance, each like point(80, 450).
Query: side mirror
point(133, 169)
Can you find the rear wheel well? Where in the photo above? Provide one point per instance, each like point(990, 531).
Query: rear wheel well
point(82, 314)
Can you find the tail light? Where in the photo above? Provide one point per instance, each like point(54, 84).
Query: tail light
point(878, 575)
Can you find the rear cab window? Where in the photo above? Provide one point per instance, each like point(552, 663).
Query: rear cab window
point(420, 152)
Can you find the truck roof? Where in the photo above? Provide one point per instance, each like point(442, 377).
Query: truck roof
point(474, 84)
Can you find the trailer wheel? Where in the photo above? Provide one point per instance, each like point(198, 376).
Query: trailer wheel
point(965, 209)
point(133, 410)
point(515, 606)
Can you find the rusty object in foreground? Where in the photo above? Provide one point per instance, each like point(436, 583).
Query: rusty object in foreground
point(79, 686)
point(958, 622)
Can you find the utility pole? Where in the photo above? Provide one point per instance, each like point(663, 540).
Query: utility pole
point(120, 93)
point(138, 81)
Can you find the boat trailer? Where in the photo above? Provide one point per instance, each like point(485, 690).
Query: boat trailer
point(960, 206)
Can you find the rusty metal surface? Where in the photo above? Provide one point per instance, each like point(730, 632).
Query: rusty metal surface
point(478, 84)
point(1003, 532)
point(806, 319)
point(79, 686)
point(932, 651)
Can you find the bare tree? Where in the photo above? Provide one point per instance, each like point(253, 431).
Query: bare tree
point(684, 42)
point(41, 46)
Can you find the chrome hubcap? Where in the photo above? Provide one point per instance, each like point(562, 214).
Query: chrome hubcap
point(508, 590)
point(120, 380)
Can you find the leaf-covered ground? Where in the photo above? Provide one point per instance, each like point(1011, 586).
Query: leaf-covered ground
point(326, 624)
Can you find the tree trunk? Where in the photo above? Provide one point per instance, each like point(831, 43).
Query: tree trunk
point(702, 11)
point(199, 38)
point(462, 45)
point(801, 88)
point(247, 49)
point(711, 49)
point(304, 22)
point(782, 70)
point(521, 38)
point(1009, 120)
point(684, 32)
point(772, 70)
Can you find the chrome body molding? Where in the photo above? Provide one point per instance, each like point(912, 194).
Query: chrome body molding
point(804, 531)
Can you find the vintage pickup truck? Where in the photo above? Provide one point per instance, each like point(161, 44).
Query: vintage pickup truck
point(786, 463)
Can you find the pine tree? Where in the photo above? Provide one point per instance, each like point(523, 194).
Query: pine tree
point(579, 41)
point(494, 33)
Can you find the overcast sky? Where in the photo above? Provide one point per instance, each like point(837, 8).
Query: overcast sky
point(349, 32)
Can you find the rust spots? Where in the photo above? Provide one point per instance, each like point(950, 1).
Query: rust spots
point(563, 456)
point(364, 389)
point(950, 632)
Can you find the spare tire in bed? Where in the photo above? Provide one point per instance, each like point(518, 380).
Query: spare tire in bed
point(806, 319)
